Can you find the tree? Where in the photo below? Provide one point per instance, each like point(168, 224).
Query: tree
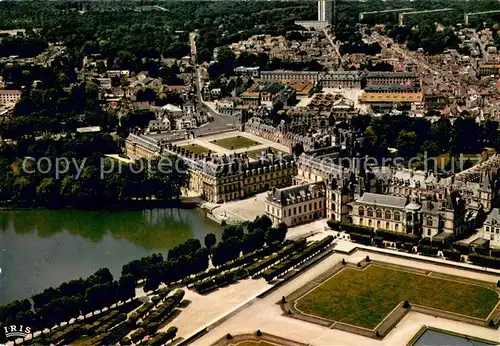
point(171, 333)
point(210, 240)
point(406, 143)
point(232, 231)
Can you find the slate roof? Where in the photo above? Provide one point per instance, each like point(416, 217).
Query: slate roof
point(493, 217)
point(383, 200)
point(289, 195)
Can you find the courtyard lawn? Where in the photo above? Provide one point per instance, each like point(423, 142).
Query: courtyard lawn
point(255, 154)
point(233, 143)
point(365, 298)
point(196, 149)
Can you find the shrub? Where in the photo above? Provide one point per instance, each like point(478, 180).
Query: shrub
point(453, 255)
point(155, 299)
point(495, 253)
point(348, 228)
point(283, 299)
point(377, 334)
point(396, 236)
point(492, 324)
point(359, 264)
point(425, 241)
point(133, 317)
point(229, 336)
point(151, 328)
point(379, 241)
point(343, 261)
point(464, 249)
point(259, 333)
point(335, 225)
point(428, 250)
point(485, 261)
point(361, 238)
point(138, 335)
point(367, 259)
point(125, 341)
point(406, 305)
point(498, 283)
point(408, 247)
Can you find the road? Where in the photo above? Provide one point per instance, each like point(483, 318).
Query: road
point(220, 121)
point(333, 44)
point(481, 45)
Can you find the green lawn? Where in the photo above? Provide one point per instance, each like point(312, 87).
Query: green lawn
point(234, 143)
point(364, 298)
point(196, 149)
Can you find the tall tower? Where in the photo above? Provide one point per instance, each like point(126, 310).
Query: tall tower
point(324, 11)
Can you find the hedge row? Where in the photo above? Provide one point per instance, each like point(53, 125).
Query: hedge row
point(485, 261)
point(453, 255)
point(428, 250)
point(157, 316)
point(495, 253)
point(162, 338)
point(145, 308)
point(281, 254)
point(350, 228)
point(220, 280)
point(282, 267)
point(361, 238)
point(238, 262)
point(396, 236)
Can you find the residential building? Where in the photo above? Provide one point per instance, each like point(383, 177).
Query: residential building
point(9, 96)
point(395, 93)
point(341, 79)
point(251, 98)
point(186, 122)
point(489, 69)
point(159, 125)
point(387, 78)
point(289, 76)
point(251, 71)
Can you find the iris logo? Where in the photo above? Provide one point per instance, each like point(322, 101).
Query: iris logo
point(16, 331)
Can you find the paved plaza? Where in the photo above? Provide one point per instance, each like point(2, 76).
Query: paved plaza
point(208, 143)
point(266, 315)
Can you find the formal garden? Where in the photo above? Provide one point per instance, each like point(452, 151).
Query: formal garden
point(364, 297)
point(234, 143)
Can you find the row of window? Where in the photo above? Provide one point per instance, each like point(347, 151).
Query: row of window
point(388, 215)
point(311, 206)
point(493, 230)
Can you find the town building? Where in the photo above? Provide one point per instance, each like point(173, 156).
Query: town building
point(251, 71)
point(489, 69)
point(387, 78)
point(289, 76)
point(9, 96)
point(394, 93)
point(159, 125)
point(340, 79)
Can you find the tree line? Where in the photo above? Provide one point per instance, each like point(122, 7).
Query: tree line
point(82, 296)
point(412, 136)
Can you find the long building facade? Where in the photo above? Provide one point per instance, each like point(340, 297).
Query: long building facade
point(221, 179)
